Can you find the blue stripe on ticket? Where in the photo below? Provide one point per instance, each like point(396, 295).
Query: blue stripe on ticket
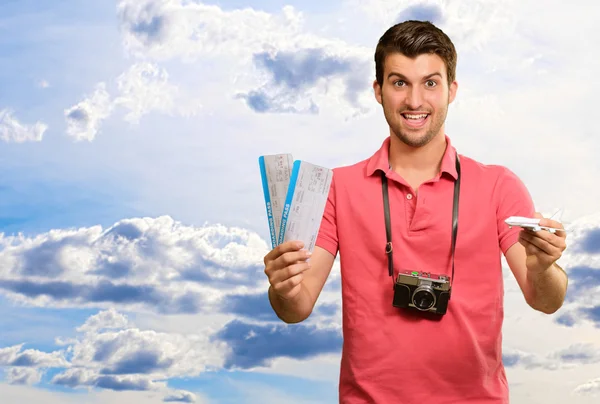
point(267, 195)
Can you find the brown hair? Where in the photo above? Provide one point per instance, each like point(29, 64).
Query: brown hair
point(413, 38)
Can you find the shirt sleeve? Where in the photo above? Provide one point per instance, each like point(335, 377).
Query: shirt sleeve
point(328, 237)
point(512, 199)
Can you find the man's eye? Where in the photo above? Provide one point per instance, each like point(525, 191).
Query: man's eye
point(431, 83)
point(398, 82)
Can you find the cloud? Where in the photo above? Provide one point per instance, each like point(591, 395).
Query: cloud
point(582, 264)
point(591, 387)
point(255, 345)
point(575, 355)
point(26, 376)
point(579, 354)
point(142, 89)
point(14, 356)
point(78, 378)
point(145, 88)
point(12, 131)
point(108, 319)
point(591, 243)
point(110, 352)
point(471, 24)
point(157, 263)
point(582, 280)
point(299, 72)
point(296, 78)
point(254, 306)
point(168, 29)
point(181, 397)
point(84, 118)
point(566, 319)
point(515, 357)
point(422, 12)
point(113, 354)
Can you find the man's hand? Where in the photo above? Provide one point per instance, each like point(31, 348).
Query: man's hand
point(284, 266)
point(542, 247)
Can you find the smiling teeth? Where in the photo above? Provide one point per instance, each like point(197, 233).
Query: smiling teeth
point(416, 116)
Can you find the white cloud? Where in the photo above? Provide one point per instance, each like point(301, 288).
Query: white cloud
point(84, 118)
point(104, 320)
point(153, 263)
point(142, 89)
point(17, 394)
point(13, 131)
point(146, 352)
point(123, 359)
point(591, 387)
point(181, 397)
point(145, 88)
point(15, 356)
point(165, 29)
point(298, 71)
point(21, 375)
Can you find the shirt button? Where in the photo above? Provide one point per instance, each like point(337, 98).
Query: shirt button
point(409, 196)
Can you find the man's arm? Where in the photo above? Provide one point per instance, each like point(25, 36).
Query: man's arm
point(299, 307)
point(532, 260)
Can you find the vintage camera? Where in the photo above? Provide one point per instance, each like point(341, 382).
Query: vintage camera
point(422, 291)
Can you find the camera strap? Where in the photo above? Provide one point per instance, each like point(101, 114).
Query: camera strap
point(388, 227)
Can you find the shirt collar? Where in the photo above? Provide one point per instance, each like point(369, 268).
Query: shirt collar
point(380, 160)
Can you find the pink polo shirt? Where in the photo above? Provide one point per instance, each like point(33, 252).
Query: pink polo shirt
point(400, 356)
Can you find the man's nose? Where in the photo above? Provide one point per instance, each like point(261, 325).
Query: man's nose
point(414, 98)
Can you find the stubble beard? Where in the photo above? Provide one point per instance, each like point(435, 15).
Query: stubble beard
point(410, 137)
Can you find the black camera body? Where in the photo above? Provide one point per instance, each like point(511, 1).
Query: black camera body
point(422, 291)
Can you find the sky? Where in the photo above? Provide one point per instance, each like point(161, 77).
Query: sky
point(132, 220)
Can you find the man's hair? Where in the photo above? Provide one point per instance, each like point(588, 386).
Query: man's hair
point(413, 38)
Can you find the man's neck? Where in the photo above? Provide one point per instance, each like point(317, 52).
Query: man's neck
point(425, 160)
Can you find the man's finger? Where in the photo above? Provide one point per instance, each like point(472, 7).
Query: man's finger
point(291, 257)
point(541, 244)
point(537, 241)
point(286, 286)
point(554, 240)
point(289, 271)
point(292, 245)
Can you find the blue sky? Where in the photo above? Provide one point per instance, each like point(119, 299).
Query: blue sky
point(131, 211)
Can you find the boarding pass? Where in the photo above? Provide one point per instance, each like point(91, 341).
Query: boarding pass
point(275, 171)
point(304, 203)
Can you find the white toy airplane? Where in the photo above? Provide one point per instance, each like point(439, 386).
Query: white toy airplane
point(532, 223)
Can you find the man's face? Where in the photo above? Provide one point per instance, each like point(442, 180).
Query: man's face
point(415, 96)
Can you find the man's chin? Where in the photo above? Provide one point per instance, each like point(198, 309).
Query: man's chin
point(414, 138)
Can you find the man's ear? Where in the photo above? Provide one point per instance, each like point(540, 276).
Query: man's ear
point(377, 91)
point(452, 91)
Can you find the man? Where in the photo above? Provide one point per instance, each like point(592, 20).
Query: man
point(403, 355)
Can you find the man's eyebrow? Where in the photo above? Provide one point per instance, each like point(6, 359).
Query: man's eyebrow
point(404, 77)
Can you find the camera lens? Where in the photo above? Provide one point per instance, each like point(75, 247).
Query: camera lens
point(423, 299)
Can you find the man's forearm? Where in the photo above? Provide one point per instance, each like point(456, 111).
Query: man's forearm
point(294, 310)
point(548, 289)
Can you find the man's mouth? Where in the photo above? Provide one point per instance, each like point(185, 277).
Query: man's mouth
point(415, 120)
